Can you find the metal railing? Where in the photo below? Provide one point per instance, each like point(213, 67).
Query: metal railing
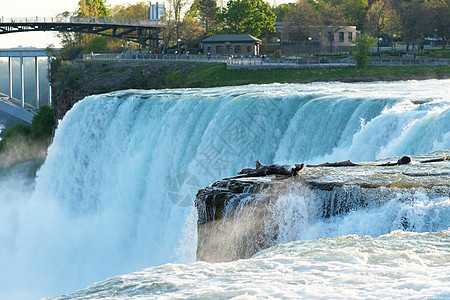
point(84, 20)
point(150, 56)
point(258, 62)
point(409, 61)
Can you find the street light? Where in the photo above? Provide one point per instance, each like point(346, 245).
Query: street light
point(393, 41)
point(309, 44)
point(179, 40)
point(379, 41)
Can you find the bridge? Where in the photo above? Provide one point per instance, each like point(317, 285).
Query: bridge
point(18, 107)
point(143, 32)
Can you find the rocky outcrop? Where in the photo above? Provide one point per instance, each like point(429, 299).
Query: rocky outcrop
point(75, 80)
point(240, 210)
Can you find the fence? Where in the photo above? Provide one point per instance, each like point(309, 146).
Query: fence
point(409, 61)
point(262, 62)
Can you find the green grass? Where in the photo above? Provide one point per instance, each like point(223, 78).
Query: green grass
point(438, 53)
point(210, 75)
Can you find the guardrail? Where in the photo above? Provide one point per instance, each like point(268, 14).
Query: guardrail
point(150, 56)
point(258, 62)
point(410, 61)
point(84, 20)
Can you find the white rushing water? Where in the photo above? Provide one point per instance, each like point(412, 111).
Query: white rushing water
point(116, 189)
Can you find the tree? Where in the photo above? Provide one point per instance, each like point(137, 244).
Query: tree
point(361, 53)
point(174, 13)
point(301, 20)
point(355, 12)
point(412, 17)
point(440, 18)
point(92, 9)
point(376, 18)
point(282, 11)
point(253, 17)
point(341, 12)
point(192, 32)
point(207, 10)
point(138, 10)
point(97, 44)
point(381, 19)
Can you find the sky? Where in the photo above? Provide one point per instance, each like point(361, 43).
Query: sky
point(39, 8)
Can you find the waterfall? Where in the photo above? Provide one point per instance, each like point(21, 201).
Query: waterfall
point(117, 186)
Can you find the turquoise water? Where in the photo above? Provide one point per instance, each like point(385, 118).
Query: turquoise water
point(112, 197)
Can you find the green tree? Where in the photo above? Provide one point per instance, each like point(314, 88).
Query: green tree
point(43, 124)
point(138, 10)
point(207, 10)
point(381, 19)
point(282, 11)
point(361, 53)
point(97, 45)
point(253, 17)
point(92, 9)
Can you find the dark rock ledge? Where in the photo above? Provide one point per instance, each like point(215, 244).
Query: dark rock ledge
point(334, 190)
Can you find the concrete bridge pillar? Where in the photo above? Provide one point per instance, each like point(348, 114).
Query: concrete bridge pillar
point(10, 77)
point(22, 83)
point(36, 68)
point(49, 101)
point(15, 106)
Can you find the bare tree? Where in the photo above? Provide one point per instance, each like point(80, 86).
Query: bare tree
point(175, 12)
point(440, 18)
point(302, 20)
point(412, 16)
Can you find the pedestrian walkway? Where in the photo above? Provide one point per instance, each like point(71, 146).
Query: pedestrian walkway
point(262, 62)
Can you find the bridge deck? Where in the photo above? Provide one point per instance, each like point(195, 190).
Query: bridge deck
point(81, 20)
point(143, 32)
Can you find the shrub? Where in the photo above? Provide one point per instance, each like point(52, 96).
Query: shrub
point(43, 123)
point(277, 53)
point(361, 53)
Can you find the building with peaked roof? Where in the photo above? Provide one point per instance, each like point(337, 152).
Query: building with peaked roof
point(231, 44)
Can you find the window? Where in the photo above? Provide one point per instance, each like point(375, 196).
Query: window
point(208, 50)
point(341, 36)
point(249, 49)
point(350, 36)
point(237, 48)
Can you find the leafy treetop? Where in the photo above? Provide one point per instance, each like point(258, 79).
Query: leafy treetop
point(253, 17)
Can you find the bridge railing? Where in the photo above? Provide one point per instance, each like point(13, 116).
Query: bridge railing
point(84, 20)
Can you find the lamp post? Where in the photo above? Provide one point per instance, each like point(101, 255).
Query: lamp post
point(393, 41)
point(179, 40)
point(309, 44)
point(379, 41)
point(435, 37)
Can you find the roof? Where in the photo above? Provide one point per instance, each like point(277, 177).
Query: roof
point(232, 38)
